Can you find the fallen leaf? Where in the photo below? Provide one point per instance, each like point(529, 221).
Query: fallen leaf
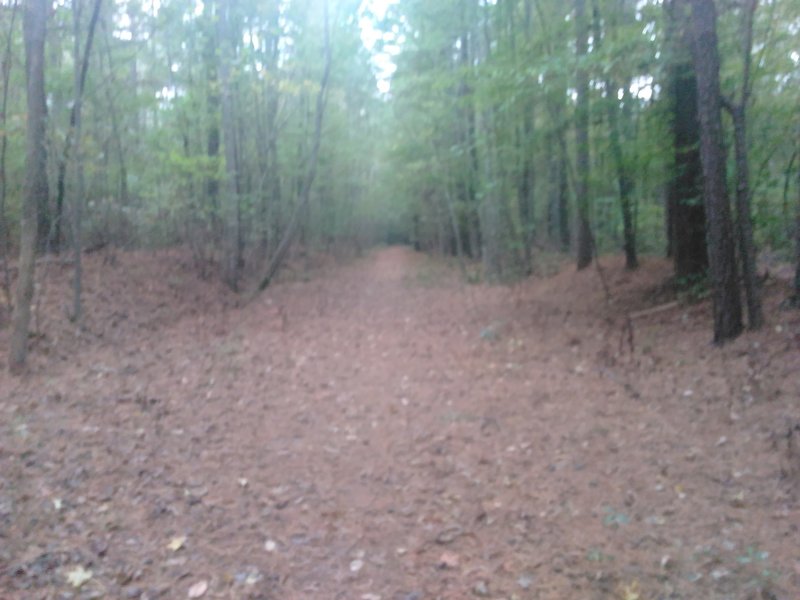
point(631, 592)
point(270, 545)
point(78, 576)
point(525, 581)
point(356, 565)
point(249, 576)
point(481, 589)
point(738, 500)
point(176, 543)
point(198, 589)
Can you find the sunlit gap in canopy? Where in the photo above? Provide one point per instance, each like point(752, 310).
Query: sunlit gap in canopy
point(123, 25)
point(382, 45)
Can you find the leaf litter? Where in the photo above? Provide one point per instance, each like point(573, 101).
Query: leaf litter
point(143, 426)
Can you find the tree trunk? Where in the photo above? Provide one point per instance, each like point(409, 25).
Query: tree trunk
point(81, 69)
point(625, 181)
point(111, 84)
point(686, 213)
point(491, 209)
point(721, 248)
point(211, 65)
point(491, 228)
point(277, 259)
point(5, 233)
point(744, 221)
point(469, 196)
point(527, 184)
point(585, 242)
point(558, 185)
point(797, 246)
point(231, 261)
point(35, 187)
point(526, 187)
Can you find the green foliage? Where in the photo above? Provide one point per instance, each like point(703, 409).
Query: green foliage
point(693, 288)
point(463, 148)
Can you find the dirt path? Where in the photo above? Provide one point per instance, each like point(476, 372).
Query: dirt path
point(384, 432)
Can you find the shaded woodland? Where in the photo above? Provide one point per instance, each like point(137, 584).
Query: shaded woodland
point(399, 300)
point(495, 132)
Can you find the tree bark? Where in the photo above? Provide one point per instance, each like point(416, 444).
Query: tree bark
point(526, 185)
point(232, 255)
point(5, 233)
point(469, 196)
point(35, 190)
point(744, 221)
point(721, 248)
point(796, 299)
point(585, 241)
point(491, 215)
point(558, 182)
point(797, 247)
point(525, 192)
point(686, 214)
point(213, 138)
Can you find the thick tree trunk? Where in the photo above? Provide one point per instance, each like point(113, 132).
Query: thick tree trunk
point(686, 213)
point(35, 186)
point(744, 222)
point(721, 247)
point(585, 241)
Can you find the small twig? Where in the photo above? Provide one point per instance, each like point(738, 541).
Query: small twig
point(654, 310)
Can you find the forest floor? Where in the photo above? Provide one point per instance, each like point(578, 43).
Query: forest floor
point(379, 430)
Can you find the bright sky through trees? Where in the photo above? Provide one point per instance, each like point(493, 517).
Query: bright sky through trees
point(371, 12)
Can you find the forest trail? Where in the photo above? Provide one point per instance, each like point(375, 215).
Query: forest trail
point(382, 431)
